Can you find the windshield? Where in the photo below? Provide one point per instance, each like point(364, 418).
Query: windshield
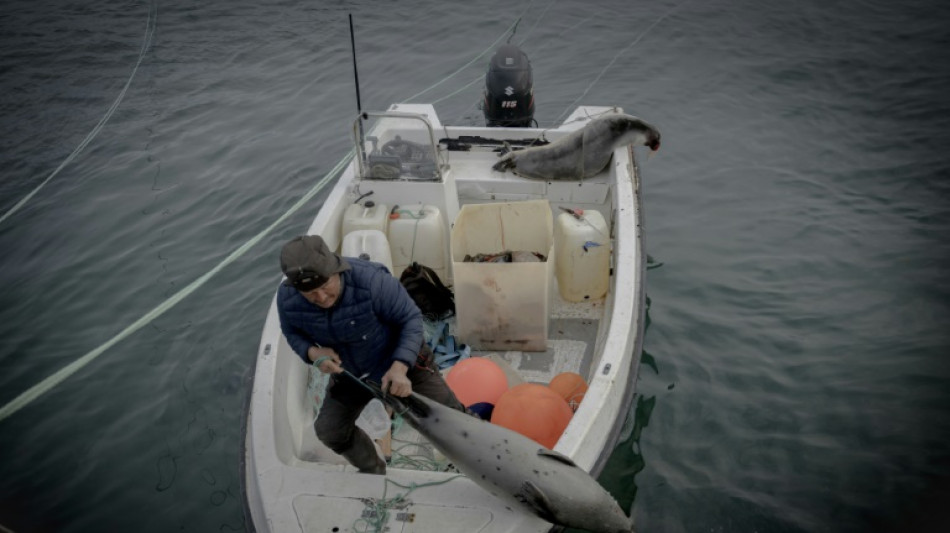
point(396, 146)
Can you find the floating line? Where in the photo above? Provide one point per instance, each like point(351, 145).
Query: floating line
point(616, 56)
point(536, 21)
point(474, 59)
point(149, 32)
point(466, 86)
point(44, 386)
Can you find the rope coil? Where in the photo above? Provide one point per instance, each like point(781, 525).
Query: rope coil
point(379, 507)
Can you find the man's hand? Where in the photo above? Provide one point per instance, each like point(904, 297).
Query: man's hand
point(333, 365)
point(396, 380)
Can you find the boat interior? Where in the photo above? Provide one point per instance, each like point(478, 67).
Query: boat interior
point(422, 192)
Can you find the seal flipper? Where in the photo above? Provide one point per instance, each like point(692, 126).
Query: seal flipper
point(506, 162)
point(538, 501)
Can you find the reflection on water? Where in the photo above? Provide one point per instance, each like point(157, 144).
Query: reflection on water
point(619, 475)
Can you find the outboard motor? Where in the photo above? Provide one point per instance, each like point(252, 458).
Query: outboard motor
point(509, 89)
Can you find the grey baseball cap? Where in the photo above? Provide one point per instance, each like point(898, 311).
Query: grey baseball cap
point(308, 262)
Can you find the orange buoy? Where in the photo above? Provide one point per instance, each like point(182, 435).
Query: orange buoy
point(477, 380)
point(570, 386)
point(535, 411)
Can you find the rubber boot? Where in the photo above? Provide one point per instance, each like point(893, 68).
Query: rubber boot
point(362, 454)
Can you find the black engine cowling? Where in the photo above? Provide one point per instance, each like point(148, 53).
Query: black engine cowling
point(509, 89)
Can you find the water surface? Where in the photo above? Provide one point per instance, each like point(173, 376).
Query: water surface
point(797, 216)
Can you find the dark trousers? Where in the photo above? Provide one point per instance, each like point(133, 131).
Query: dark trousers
point(336, 423)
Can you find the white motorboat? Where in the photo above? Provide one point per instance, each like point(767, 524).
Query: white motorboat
point(419, 191)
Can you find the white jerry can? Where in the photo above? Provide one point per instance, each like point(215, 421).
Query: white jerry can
point(582, 256)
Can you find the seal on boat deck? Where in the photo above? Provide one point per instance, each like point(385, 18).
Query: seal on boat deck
point(582, 153)
point(514, 468)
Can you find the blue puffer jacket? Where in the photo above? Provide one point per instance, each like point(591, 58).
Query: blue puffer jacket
point(372, 324)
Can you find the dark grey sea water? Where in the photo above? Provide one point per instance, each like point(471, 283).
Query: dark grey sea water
point(795, 377)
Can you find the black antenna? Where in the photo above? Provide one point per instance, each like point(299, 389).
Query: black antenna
point(356, 76)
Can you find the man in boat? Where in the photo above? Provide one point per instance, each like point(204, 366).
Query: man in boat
point(352, 314)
